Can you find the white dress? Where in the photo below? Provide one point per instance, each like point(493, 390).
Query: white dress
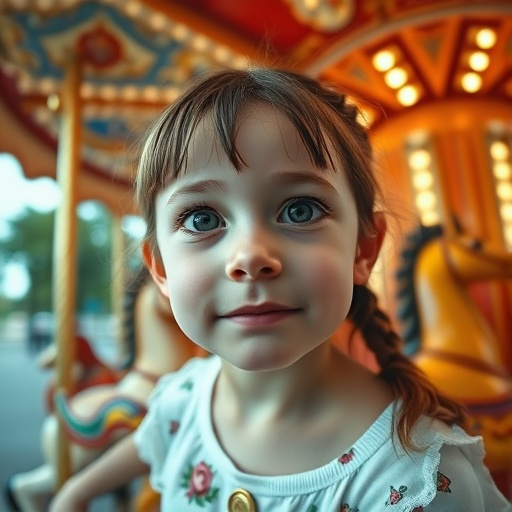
point(192, 473)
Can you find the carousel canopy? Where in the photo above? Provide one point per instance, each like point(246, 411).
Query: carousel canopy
point(137, 55)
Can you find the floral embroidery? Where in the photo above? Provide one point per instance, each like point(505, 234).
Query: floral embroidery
point(346, 508)
point(174, 426)
point(347, 457)
point(396, 495)
point(312, 508)
point(443, 483)
point(198, 482)
point(188, 385)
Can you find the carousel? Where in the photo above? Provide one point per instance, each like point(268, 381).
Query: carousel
point(81, 80)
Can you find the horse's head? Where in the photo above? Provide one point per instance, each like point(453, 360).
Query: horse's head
point(471, 259)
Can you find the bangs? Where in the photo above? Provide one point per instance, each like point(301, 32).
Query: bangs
point(325, 123)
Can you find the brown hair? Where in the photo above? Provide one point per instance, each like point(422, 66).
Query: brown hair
point(326, 123)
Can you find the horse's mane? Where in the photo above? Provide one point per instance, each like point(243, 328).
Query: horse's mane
point(407, 308)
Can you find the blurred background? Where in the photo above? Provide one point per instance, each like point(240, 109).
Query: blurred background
point(81, 80)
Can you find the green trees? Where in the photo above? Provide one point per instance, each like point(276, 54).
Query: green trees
point(30, 242)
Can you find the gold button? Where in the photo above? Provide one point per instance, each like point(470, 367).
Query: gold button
point(241, 501)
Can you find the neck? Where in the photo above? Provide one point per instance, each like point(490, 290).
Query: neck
point(277, 394)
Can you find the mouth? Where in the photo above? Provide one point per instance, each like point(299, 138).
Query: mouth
point(260, 315)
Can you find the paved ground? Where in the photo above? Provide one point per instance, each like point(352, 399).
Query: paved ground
point(22, 386)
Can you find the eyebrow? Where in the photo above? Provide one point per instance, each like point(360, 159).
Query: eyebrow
point(301, 178)
point(197, 188)
point(278, 179)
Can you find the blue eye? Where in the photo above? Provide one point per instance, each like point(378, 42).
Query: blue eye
point(201, 221)
point(301, 211)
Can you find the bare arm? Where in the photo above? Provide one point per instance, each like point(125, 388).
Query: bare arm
point(118, 466)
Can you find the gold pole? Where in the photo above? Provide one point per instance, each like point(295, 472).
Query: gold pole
point(64, 259)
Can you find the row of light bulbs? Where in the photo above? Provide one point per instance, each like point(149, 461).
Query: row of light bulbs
point(423, 178)
point(478, 60)
point(395, 76)
point(501, 161)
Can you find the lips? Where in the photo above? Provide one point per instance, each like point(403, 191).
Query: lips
point(261, 315)
point(261, 309)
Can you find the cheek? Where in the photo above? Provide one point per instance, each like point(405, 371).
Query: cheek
point(188, 285)
point(331, 282)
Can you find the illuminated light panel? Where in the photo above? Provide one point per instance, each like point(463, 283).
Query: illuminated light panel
point(408, 95)
point(311, 5)
point(485, 38)
point(53, 102)
point(396, 78)
point(108, 92)
point(504, 191)
point(478, 61)
point(384, 60)
point(506, 212)
point(129, 92)
point(502, 170)
point(499, 150)
point(87, 90)
point(430, 218)
point(426, 200)
point(471, 82)
point(157, 21)
point(423, 180)
point(420, 159)
point(133, 8)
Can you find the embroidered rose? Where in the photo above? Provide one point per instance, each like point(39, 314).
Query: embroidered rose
point(174, 426)
point(443, 483)
point(198, 482)
point(396, 495)
point(347, 457)
point(346, 508)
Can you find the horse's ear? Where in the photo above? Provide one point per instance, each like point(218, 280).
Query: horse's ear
point(154, 263)
point(368, 249)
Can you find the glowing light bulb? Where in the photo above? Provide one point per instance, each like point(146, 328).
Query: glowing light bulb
point(485, 38)
point(384, 60)
point(478, 61)
point(471, 82)
point(408, 95)
point(395, 78)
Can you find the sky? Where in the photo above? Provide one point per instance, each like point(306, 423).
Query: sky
point(43, 195)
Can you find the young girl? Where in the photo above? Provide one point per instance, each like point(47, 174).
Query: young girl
point(259, 197)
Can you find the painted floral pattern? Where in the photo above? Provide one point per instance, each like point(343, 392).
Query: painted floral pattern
point(198, 481)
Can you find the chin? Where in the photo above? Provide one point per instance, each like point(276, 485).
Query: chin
point(263, 361)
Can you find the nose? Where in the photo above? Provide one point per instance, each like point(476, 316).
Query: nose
point(253, 259)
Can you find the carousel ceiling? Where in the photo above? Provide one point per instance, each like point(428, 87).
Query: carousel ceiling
point(392, 55)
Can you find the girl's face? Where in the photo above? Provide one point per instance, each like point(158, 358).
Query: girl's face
point(259, 265)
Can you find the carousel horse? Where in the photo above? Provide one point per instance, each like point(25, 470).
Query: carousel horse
point(97, 417)
point(448, 337)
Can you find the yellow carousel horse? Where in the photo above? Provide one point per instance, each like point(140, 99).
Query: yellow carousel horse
point(448, 337)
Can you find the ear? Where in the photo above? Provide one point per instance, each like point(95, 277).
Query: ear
point(368, 249)
point(155, 266)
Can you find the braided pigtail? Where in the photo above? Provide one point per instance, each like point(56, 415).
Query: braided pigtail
point(408, 383)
